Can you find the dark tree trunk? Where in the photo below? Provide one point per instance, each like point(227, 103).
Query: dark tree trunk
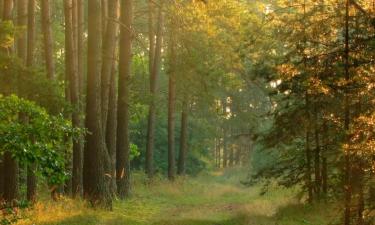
point(123, 145)
point(22, 22)
point(183, 138)
point(10, 165)
point(309, 183)
point(96, 166)
point(172, 106)
point(154, 64)
point(10, 178)
point(71, 73)
point(81, 48)
point(31, 177)
point(47, 38)
point(109, 46)
point(348, 168)
point(317, 157)
point(111, 130)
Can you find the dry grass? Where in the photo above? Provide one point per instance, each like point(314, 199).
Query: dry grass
point(214, 199)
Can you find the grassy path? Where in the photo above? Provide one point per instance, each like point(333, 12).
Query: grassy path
point(215, 199)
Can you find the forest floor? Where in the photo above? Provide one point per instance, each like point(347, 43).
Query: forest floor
point(211, 199)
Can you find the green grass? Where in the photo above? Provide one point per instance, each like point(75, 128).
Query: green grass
point(210, 199)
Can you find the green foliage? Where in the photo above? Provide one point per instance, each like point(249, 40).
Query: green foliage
point(33, 136)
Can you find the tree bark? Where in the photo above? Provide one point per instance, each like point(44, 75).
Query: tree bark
point(22, 22)
point(184, 138)
point(348, 168)
point(109, 47)
point(171, 104)
point(47, 38)
point(123, 145)
point(10, 168)
point(96, 166)
point(111, 132)
point(31, 177)
point(81, 48)
point(154, 64)
point(71, 73)
point(318, 180)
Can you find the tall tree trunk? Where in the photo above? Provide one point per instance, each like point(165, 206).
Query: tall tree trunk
point(123, 145)
point(10, 165)
point(96, 166)
point(225, 150)
point(1, 7)
point(22, 22)
point(309, 183)
point(109, 46)
point(184, 138)
point(172, 105)
point(31, 177)
point(47, 38)
point(80, 47)
point(111, 130)
point(318, 180)
point(154, 64)
point(108, 89)
point(347, 169)
point(71, 73)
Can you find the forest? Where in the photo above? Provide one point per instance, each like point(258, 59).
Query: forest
point(187, 112)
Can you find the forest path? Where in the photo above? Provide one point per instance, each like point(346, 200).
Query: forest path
point(212, 199)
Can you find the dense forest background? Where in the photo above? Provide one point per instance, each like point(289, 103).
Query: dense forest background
point(95, 91)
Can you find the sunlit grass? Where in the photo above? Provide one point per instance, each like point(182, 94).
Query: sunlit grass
point(210, 199)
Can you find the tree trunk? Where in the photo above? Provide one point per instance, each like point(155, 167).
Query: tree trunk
point(22, 22)
point(318, 180)
point(172, 105)
point(96, 166)
point(155, 60)
point(71, 73)
point(31, 177)
point(47, 38)
point(123, 145)
point(309, 183)
point(183, 138)
point(109, 46)
point(81, 48)
point(10, 165)
point(347, 169)
point(111, 130)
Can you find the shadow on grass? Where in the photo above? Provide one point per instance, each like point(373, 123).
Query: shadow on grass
point(76, 220)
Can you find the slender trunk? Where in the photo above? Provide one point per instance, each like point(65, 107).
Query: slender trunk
point(22, 22)
point(172, 106)
point(31, 177)
point(225, 150)
point(155, 60)
point(308, 152)
point(109, 47)
point(347, 169)
point(81, 48)
point(1, 7)
point(183, 138)
point(71, 73)
point(318, 180)
point(10, 165)
point(47, 38)
point(111, 130)
point(123, 145)
point(96, 166)
point(324, 159)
